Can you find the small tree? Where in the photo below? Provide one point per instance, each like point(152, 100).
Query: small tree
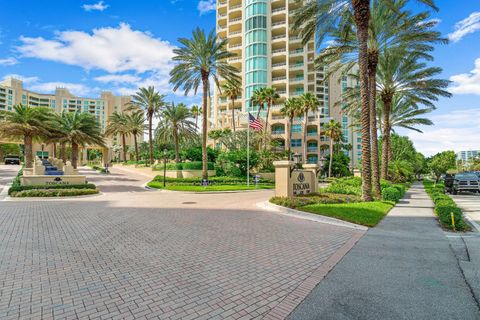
point(442, 162)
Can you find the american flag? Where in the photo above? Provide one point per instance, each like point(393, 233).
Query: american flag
point(254, 123)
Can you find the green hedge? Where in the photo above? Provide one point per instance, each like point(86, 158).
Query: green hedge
point(53, 192)
point(391, 194)
point(18, 188)
point(445, 206)
point(212, 180)
point(353, 186)
point(194, 165)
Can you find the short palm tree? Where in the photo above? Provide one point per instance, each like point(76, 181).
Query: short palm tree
point(401, 73)
point(258, 99)
point(135, 126)
point(321, 17)
point(79, 129)
point(271, 96)
point(333, 130)
point(199, 59)
point(232, 90)
point(26, 123)
point(118, 125)
point(291, 109)
point(196, 111)
point(175, 124)
point(309, 103)
point(150, 101)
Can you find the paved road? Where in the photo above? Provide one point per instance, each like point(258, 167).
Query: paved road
point(135, 254)
point(7, 173)
point(470, 204)
point(402, 269)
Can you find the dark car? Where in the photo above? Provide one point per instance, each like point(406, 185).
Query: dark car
point(12, 159)
point(466, 182)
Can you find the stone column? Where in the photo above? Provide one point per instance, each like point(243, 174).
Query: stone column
point(312, 167)
point(283, 185)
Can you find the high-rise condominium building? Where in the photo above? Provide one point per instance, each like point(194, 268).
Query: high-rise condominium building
point(270, 54)
point(13, 93)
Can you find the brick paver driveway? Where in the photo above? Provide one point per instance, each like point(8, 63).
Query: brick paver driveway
point(135, 254)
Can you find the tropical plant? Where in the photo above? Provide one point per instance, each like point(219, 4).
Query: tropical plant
point(291, 109)
point(441, 163)
point(217, 134)
point(79, 129)
point(135, 127)
point(118, 125)
point(196, 111)
point(175, 124)
point(26, 123)
point(333, 130)
point(199, 59)
point(150, 101)
point(319, 18)
point(258, 99)
point(270, 95)
point(309, 102)
point(232, 90)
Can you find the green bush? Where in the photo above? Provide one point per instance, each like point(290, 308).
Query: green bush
point(391, 194)
point(53, 192)
point(322, 198)
point(18, 188)
point(194, 165)
point(212, 180)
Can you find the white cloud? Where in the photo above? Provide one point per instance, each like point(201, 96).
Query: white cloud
point(465, 26)
point(205, 6)
point(111, 49)
point(457, 130)
point(74, 88)
point(99, 6)
point(467, 83)
point(10, 61)
point(118, 78)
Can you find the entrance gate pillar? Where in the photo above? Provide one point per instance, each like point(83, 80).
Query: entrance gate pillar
point(283, 185)
point(311, 167)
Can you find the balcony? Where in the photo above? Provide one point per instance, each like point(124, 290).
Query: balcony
point(312, 149)
point(278, 117)
point(312, 133)
point(279, 79)
point(281, 36)
point(297, 51)
point(297, 79)
point(236, 7)
point(280, 64)
point(236, 19)
point(278, 23)
point(278, 9)
point(278, 132)
point(296, 66)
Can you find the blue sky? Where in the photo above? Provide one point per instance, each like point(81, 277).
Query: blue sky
point(118, 45)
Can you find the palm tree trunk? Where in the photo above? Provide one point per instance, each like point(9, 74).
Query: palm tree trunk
point(206, 86)
point(290, 125)
point(177, 147)
point(150, 116)
point(267, 129)
point(233, 115)
point(372, 83)
point(27, 142)
point(387, 104)
point(331, 159)
point(74, 155)
point(362, 15)
point(54, 150)
point(124, 148)
point(136, 147)
point(305, 123)
point(63, 154)
point(196, 123)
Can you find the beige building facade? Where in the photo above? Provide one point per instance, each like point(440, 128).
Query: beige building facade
point(270, 54)
point(12, 93)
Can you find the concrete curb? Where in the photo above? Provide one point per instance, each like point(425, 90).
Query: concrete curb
point(475, 225)
point(267, 205)
point(4, 192)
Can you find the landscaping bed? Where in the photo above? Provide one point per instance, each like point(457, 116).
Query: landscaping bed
point(445, 206)
point(215, 184)
point(342, 200)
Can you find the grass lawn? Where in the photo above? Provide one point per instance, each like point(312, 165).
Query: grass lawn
point(365, 213)
point(227, 187)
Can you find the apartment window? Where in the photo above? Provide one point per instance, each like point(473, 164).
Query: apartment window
point(297, 128)
point(296, 142)
point(258, 22)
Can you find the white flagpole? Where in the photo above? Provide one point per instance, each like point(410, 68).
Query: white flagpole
point(248, 150)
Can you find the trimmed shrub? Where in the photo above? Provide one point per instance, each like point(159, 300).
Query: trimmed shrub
point(212, 180)
point(19, 188)
point(323, 198)
point(194, 165)
point(53, 192)
point(391, 194)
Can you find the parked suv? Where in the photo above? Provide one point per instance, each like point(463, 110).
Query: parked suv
point(466, 182)
point(12, 160)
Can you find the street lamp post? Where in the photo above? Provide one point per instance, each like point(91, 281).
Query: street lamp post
point(164, 166)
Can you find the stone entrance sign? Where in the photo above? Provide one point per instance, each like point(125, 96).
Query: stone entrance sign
point(289, 183)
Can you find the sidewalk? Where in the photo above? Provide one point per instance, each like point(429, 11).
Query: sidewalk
point(402, 269)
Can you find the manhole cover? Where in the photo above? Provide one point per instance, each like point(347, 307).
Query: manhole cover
point(188, 202)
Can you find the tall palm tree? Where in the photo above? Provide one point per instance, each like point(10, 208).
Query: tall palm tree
point(26, 123)
point(175, 124)
point(321, 17)
point(291, 109)
point(150, 101)
point(401, 73)
point(196, 111)
point(135, 126)
point(79, 129)
point(199, 59)
point(309, 103)
point(407, 115)
point(258, 99)
point(118, 125)
point(271, 96)
point(232, 90)
point(333, 130)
